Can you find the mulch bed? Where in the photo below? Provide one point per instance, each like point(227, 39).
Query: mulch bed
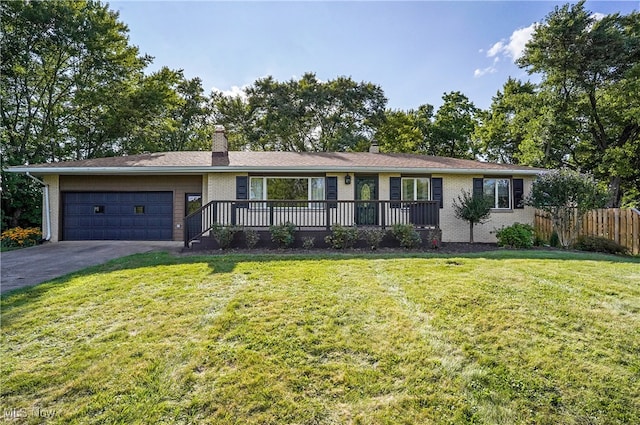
point(445, 248)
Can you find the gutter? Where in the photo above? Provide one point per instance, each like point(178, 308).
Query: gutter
point(286, 169)
point(47, 215)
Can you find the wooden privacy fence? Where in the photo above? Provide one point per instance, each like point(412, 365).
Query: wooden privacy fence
point(617, 224)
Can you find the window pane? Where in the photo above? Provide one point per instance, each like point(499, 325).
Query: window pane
point(317, 188)
point(407, 189)
point(256, 188)
point(422, 189)
point(503, 193)
point(285, 188)
point(490, 188)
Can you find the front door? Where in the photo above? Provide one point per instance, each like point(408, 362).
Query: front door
point(366, 191)
point(192, 203)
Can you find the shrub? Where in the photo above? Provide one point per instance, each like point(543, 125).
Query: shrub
point(406, 235)
point(472, 209)
point(538, 239)
point(283, 235)
point(516, 236)
point(599, 244)
point(566, 196)
point(251, 238)
point(20, 237)
point(372, 236)
point(342, 237)
point(308, 242)
point(554, 240)
point(223, 235)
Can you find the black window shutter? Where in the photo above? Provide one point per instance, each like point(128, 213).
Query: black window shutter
point(518, 193)
point(242, 190)
point(436, 190)
point(332, 191)
point(478, 188)
point(395, 191)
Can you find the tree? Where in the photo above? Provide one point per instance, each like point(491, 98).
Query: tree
point(453, 126)
point(167, 112)
point(303, 115)
point(64, 66)
point(473, 209)
point(566, 196)
point(406, 132)
point(590, 87)
point(505, 128)
point(72, 87)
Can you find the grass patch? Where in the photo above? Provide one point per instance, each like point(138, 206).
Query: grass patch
point(500, 337)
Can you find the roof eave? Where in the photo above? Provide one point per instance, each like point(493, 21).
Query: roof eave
point(270, 169)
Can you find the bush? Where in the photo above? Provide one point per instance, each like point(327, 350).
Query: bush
point(342, 237)
point(223, 235)
point(251, 237)
point(308, 242)
point(18, 237)
point(516, 236)
point(372, 236)
point(554, 240)
point(599, 244)
point(283, 235)
point(406, 235)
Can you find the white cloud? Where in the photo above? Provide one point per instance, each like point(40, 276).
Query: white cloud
point(495, 49)
point(234, 91)
point(517, 41)
point(488, 70)
point(512, 49)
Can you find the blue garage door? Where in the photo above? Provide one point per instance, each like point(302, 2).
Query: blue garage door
point(117, 216)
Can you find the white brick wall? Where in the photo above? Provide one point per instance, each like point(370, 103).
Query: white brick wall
point(222, 186)
point(456, 230)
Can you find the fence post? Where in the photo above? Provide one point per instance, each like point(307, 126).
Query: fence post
point(635, 231)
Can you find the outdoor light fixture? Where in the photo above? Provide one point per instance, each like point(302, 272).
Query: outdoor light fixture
point(347, 179)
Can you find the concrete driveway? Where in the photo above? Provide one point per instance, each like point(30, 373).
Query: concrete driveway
point(37, 264)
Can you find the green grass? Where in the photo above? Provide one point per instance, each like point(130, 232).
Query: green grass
point(505, 337)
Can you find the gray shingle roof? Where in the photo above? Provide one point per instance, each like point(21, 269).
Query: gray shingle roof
point(270, 161)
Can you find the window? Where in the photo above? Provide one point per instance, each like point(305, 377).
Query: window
point(499, 190)
point(98, 209)
point(288, 188)
point(138, 209)
point(415, 189)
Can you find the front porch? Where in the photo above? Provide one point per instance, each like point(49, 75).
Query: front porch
point(311, 218)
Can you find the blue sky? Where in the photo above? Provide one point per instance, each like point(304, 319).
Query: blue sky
point(415, 51)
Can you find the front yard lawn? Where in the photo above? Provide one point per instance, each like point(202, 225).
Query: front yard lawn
point(498, 338)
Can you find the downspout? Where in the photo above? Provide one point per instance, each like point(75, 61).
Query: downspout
point(47, 215)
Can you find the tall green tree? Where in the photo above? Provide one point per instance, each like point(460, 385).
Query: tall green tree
point(502, 130)
point(590, 69)
point(406, 131)
point(303, 115)
point(454, 124)
point(63, 67)
point(72, 87)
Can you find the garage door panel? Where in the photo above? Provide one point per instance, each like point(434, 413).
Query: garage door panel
point(117, 215)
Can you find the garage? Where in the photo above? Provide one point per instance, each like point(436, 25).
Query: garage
point(117, 216)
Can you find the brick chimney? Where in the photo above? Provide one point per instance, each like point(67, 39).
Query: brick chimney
point(219, 144)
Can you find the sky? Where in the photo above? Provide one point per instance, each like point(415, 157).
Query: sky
point(415, 51)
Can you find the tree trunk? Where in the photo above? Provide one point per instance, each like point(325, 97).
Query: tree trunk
point(470, 232)
point(616, 196)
